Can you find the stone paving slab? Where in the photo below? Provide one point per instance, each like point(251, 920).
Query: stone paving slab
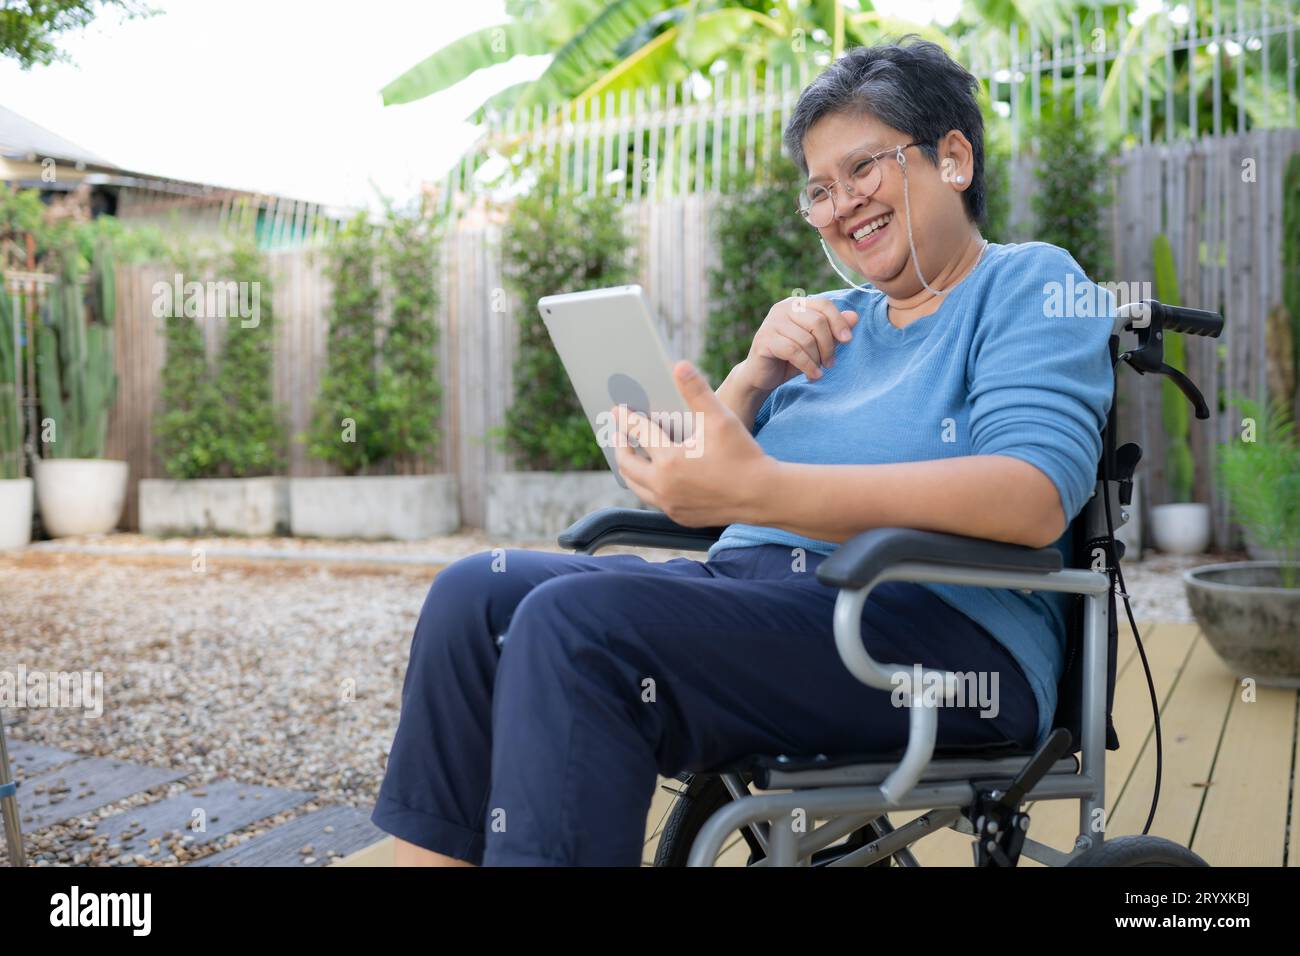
point(282, 846)
point(84, 785)
point(226, 807)
point(29, 759)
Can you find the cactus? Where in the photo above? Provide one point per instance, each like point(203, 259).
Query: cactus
point(1179, 466)
point(11, 423)
point(74, 361)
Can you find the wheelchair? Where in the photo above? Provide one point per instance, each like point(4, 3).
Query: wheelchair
point(824, 810)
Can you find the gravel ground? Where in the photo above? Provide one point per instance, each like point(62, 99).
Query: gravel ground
point(434, 550)
point(284, 673)
point(1155, 584)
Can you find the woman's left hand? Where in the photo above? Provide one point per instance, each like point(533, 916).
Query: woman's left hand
point(713, 478)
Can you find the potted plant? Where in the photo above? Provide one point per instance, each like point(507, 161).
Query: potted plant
point(376, 417)
point(1250, 610)
point(15, 489)
point(78, 490)
point(1181, 526)
point(221, 435)
point(1282, 330)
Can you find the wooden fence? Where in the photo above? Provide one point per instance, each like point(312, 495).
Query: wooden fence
point(1225, 232)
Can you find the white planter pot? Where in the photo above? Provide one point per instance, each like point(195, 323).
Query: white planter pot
point(404, 507)
point(251, 507)
point(538, 505)
point(15, 512)
point(1181, 528)
point(80, 495)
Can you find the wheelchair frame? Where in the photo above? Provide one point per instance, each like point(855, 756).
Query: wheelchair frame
point(849, 798)
point(974, 795)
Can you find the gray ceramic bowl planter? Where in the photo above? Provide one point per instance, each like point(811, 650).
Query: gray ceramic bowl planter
point(1249, 618)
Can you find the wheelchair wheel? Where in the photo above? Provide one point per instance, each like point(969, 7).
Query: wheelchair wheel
point(700, 796)
point(1138, 851)
point(704, 794)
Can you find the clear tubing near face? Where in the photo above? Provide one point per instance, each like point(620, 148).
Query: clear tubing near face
point(907, 209)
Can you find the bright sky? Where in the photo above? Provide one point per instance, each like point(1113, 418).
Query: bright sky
point(278, 96)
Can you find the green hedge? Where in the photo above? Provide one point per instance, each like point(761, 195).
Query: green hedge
point(408, 258)
point(1291, 262)
point(187, 432)
point(221, 421)
point(380, 398)
point(252, 430)
point(556, 243)
point(766, 253)
point(348, 428)
point(1073, 188)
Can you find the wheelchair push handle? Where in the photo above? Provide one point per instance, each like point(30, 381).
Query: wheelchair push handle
point(1192, 321)
point(1150, 320)
point(1150, 314)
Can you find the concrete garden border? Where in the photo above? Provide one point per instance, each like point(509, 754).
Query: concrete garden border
point(401, 507)
point(538, 505)
point(252, 507)
point(17, 497)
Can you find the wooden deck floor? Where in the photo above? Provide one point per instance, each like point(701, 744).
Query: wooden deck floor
point(1230, 777)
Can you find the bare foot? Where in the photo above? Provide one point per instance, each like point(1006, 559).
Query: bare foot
point(408, 854)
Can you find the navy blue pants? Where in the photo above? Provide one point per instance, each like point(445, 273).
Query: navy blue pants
point(544, 692)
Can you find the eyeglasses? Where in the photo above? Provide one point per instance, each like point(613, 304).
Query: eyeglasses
point(817, 202)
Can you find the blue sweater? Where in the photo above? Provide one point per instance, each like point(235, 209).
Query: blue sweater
point(996, 370)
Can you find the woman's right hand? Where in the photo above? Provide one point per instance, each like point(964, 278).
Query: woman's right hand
point(799, 335)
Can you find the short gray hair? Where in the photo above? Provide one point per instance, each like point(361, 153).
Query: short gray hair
point(912, 86)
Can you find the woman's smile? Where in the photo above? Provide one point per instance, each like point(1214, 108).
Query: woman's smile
point(868, 232)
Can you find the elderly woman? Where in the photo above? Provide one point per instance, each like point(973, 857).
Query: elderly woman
point(546, 691)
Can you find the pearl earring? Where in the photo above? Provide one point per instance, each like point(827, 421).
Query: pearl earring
point(961, 179)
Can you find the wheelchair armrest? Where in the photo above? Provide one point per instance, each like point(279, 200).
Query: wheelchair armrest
point(857, 564)
point(861, 559)
point(649, 529)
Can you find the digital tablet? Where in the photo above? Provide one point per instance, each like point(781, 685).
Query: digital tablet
point(614, 355)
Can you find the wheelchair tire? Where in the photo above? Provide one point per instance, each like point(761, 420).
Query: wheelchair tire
point(701, 796)
point(1138, 851)
point(704, 794)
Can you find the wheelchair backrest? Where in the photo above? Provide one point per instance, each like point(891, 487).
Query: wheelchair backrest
point(1085, 543)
